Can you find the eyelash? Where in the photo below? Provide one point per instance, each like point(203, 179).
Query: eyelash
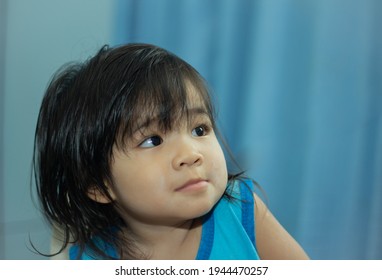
point(156, 140)
point(206, 129)
point(144, 143)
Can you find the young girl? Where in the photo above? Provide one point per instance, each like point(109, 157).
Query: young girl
point(128, 165)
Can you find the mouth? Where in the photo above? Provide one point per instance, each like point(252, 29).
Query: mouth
point(193, 185)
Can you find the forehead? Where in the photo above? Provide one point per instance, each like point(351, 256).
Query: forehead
point(190, 104)
point(193, 96)
point(164, 107)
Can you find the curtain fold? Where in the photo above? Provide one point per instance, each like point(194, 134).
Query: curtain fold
point(298, 89)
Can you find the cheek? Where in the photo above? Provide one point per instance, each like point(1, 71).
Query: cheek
point(127, 181)
point(219, 168)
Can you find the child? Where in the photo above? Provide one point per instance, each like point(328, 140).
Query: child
point(128, 165)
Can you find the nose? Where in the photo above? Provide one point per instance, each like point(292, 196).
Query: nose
point(187, 154)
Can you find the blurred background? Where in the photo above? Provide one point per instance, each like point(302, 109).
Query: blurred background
point(297, 84)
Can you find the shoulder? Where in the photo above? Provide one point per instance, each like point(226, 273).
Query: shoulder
point(272, 239)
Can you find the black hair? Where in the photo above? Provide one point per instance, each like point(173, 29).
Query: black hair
point(88, 108)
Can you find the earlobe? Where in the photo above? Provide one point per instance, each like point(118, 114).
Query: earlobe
point(94, 193)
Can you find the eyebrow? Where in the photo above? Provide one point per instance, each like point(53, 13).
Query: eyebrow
point(198, 111)
point(195, 111)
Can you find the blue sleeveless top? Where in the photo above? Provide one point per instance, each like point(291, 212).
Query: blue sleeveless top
point(228, 230)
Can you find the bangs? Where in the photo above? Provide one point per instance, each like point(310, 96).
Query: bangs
point(161, 96)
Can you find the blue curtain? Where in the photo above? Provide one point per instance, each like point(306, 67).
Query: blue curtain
point(298, 87)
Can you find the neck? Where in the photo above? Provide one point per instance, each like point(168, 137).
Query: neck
point(176, 241)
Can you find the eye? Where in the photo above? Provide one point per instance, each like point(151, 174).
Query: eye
point(150, 142)
point(200, 130)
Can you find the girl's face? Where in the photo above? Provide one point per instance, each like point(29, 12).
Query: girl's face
point(169, 177)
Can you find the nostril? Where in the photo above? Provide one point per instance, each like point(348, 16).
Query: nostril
point(190, 160)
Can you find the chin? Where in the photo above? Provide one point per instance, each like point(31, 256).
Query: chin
point(205, 208)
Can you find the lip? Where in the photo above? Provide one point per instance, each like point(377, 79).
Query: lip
point(193, 185)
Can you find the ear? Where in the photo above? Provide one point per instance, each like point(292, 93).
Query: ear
point(95, 194)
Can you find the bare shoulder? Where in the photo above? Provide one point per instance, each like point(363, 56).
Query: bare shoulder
point(273, 242)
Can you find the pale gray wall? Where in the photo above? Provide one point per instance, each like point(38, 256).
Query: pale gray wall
point(2, 69)
point(36, 37)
